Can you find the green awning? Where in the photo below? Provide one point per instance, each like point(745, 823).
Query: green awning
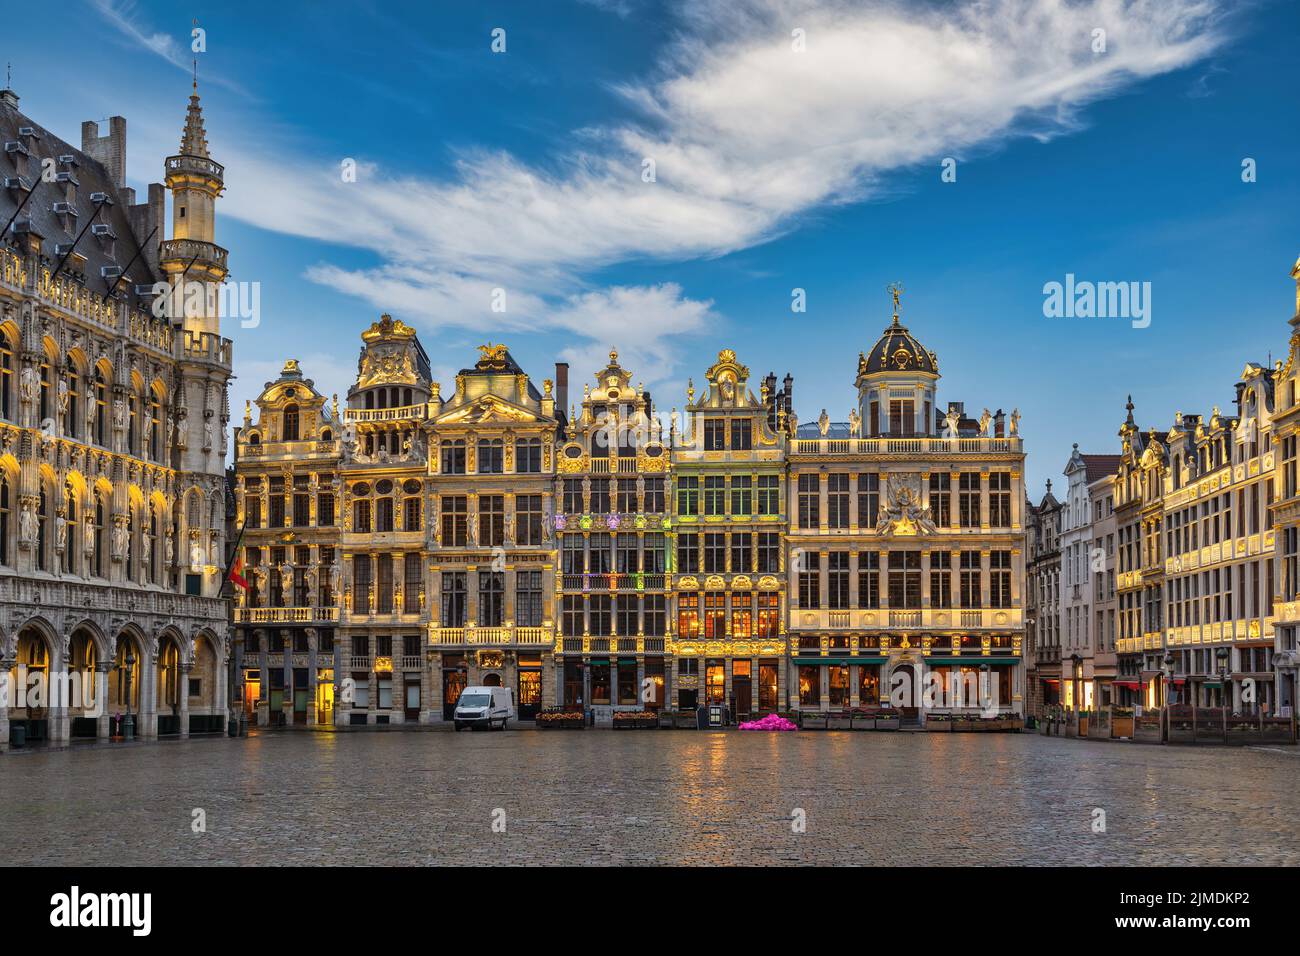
point(973, 660)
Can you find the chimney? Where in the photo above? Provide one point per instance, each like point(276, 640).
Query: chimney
point(109, 151)
point(562, 389)
point(788, 392)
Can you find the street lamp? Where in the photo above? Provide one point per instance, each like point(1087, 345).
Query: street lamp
point(1076, 675)
point(128, 722)
point(984, 687)
point(1222, 655)
point(1168, 670)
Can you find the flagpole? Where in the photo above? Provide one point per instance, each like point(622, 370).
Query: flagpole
point(230, 562)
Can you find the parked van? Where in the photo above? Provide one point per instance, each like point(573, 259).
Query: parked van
point(484, 707)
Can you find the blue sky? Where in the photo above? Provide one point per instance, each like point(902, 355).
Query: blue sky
point(775, 169)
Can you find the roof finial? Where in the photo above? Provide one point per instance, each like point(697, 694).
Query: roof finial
point(195, 61)
point(895, 289)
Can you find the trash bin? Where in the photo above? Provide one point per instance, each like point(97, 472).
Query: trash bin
point(128, 727)
point(18, 735)
point(232, 726)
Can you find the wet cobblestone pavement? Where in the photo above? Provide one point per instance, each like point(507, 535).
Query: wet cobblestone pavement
point(651, 797)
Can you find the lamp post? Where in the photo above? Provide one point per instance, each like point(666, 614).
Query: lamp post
point(984, 689)
point(128, 722)
point(1222, 655)
point(1167, 669)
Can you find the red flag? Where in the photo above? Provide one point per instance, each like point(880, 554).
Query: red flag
point(236, 573)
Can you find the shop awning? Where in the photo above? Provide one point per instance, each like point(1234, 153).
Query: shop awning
point(1130, 684)
point(972, 660)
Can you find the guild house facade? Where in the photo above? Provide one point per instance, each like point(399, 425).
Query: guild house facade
point(905, 557)
point(113, 412)
point(597, 554)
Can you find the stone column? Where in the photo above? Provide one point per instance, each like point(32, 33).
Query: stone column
point(7, 689)
point(183, 695)
point(313, 636)
point(286, 705)
point(103, 719)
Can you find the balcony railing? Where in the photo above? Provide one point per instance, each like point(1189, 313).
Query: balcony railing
point(285, 615)
point(905, 446)
point(634, 581)
point(491, 636)
point(403, 413)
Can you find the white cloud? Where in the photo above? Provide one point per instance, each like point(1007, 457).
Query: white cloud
point(746, 135)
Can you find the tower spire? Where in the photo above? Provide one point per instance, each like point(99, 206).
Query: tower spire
point(194, 138)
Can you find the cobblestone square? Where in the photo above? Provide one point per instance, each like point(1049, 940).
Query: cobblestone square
point(651, 797)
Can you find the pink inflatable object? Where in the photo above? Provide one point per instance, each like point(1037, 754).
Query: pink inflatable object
point(770, 722)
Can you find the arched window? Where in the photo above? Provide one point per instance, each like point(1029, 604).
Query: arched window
point(169, 676)
point(5, 506)
point(290, 423)
point(101, 409)
point(45, 409)
point(155, 425)
point(100, 532)
point(151, 546)
point(70, 537)
point(133, 423)
point(6, 376)
point(42, 532)
point(72, 375)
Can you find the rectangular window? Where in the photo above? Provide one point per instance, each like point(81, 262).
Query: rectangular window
point(491, 598)
point(769, 614)
point(742, 494)
point(361, 579)
point(528, 519)
point(715, 434)
point(968, 499)
point(715, 553)
point(769, 552)
point(869, 579)
point(301, 511)
point(688, 615)
point(452, 457)
point(868, 500)
point(455, 521)
point(1000, 499)
point(384, 584)
point(809, 501)
point(837, 580)
point(742, 615)
point(528, 456)
point(940, 579)
point(742, 551)
point(1000, 579)
point(491, 520)
point(742, 430)
point(905, 579)
point(715, 615)
point(941, 499)
point(411, 514)
point(837, 500)
point(454, 600)
point(715, 495)
point(970, 579)
point(769, 494)
point(491, 456)
point(654, 496)
point(573, 496)
point(688, 495)
point(654, 615)
point(627, 616)
point(412, 577)
point(688, 553)
point(600, 615)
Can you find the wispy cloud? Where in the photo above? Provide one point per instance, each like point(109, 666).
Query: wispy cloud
point(127, 19)
point(746, 133)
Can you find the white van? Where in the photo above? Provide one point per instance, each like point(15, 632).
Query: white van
point(484, 707)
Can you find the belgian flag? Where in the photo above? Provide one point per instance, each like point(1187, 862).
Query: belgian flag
point(235, 574)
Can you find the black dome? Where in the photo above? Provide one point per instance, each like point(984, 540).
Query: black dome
point(898, 351)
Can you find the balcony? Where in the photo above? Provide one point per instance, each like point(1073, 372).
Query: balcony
point(185, 250)
point(816, 447)
point(635, 581)
point(491, 636)
point(994, 619)
point(400, 414)
point(286, 615)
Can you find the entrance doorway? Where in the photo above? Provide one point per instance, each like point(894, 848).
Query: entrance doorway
point(325, 697)
point(492, 680)
point(902, 693)
point(412, 698)
point(742, 693)
point(530, 694)
point(300, 695)
point(453, 682)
